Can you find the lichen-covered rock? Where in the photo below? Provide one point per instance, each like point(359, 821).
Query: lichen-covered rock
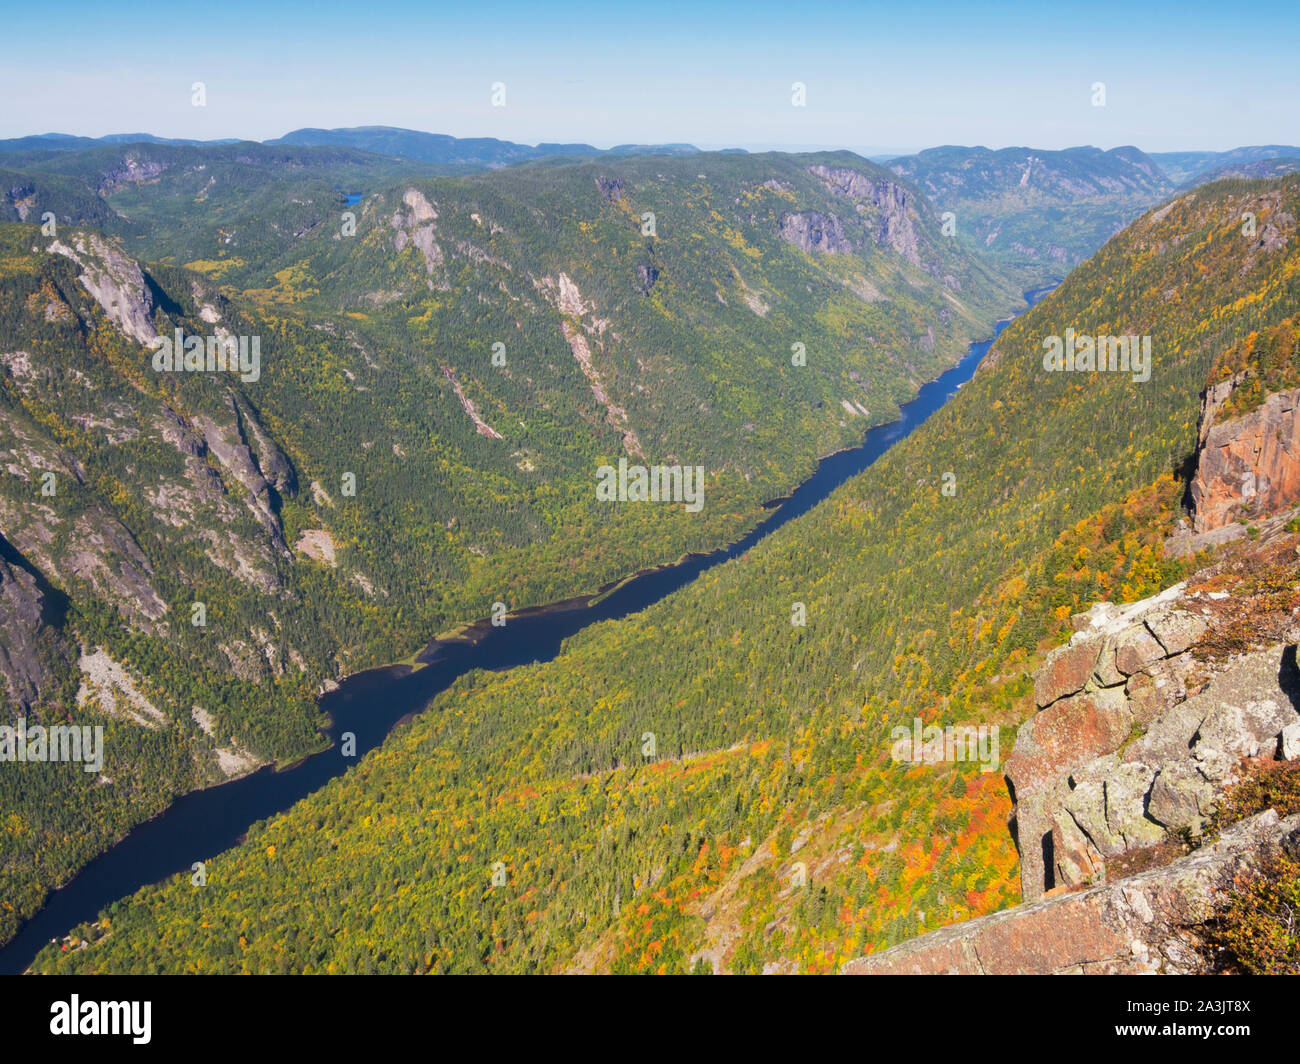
point(1119, 756)
point(1136, 649)
point(1106, 673)
point(1066, 735)
point(1108, 803)
point(1289, 742)
point(1066, 671)
point(1156, 689)
point(1181, 796)
point(1049, 746)
point(1244, 731)
point(1176, 629)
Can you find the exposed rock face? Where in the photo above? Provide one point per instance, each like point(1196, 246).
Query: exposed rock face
point(578, 323)
point(115, 281)
point(884, 202)
point(813, 231)
point(418, 226)
point(1247, 466)
point(276, 468)
point(131, 171)
point(610, 187)
point(648, 275)
point(23, 612)
point(467, 404)
point(228, 444)
point(1133, 926)
point(107, 685)
point(1121, 753)
point(107, 557)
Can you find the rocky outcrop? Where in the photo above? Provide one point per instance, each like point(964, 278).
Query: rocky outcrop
point(467, 404)
point(578, 323)
point(115, 281)
point(813, 231)
point(611, 188)
point(647, 275)
point(24, 612)
point(886, 204)
point(1138, 925)
point(1247, 466)
point(106, 685)
point(105, 555)
point(417, 226)
point(229, 445)
point(132, 170)
point(276, 468)
point(1135, 739)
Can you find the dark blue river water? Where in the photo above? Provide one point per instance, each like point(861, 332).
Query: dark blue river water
point(204, 823)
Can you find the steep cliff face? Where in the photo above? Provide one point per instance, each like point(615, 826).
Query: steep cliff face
point(813, 231)
point(114, 280)
point(1248, 436)
point(1038, 212)
point(1247, 466)
point(25, 617)
point(885, 203)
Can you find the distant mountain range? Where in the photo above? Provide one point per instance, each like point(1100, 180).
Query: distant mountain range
point(452, 153)
point(1194, 167)
point(474, 153)
point(1037, 213)
point(1040, 213)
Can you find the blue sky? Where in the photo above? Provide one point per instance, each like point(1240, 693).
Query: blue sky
point(880, 77)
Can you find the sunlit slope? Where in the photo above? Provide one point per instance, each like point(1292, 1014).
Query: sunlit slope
point(421, 435)
point(771, 741)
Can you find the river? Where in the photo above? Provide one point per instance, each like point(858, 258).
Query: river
point(201, 824)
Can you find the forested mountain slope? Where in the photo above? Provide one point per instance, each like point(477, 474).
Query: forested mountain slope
point(381, 475)
point(446, 153)
point(1194, 167)
point(453, 153)
point(1038, 213)
point(520, 825)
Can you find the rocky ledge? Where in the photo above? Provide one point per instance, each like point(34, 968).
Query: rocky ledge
point(1136, 736)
